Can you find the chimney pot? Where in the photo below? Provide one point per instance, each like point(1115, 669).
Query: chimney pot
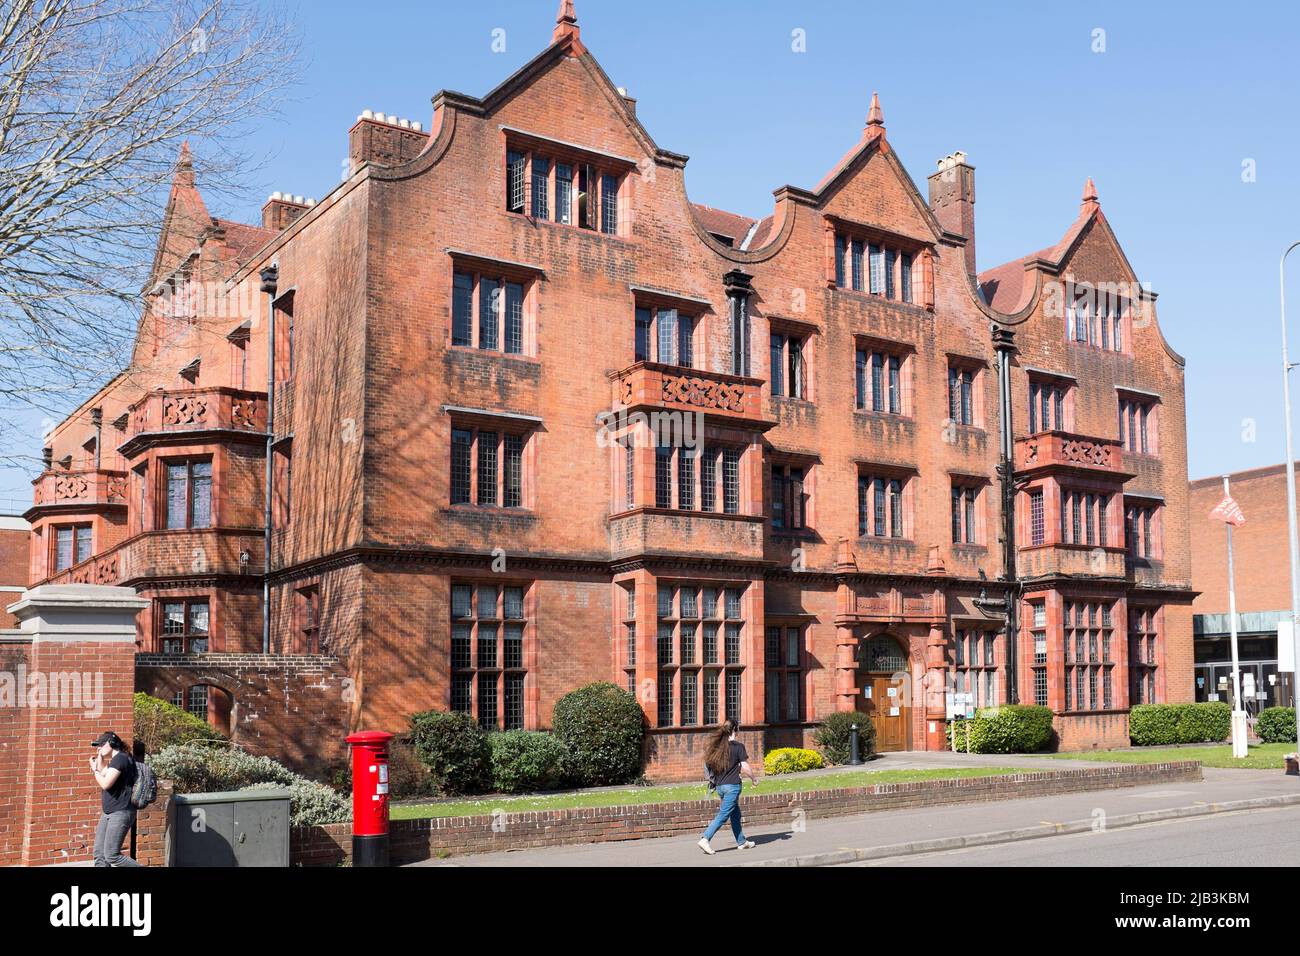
point(367, 114)
point(952, 200)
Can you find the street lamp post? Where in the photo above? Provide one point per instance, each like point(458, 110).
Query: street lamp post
point(1294, 538)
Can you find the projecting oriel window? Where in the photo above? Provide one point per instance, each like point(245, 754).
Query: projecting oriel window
point(183, 626)
point(72, 545)
point(189, 494)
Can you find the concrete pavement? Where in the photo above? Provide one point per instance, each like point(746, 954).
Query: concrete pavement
point(1226, 841)
point(810, 841)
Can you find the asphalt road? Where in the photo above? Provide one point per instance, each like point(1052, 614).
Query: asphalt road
point(817, 836)
point(1249, 838)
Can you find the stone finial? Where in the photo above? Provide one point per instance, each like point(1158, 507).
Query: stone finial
point(875, 115)
point(184, 170)
point(1090, 193)
point(566, 22)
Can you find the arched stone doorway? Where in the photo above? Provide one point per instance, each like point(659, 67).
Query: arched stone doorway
point(885, 679)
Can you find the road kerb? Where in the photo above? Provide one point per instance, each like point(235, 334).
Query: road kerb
point(994, 837)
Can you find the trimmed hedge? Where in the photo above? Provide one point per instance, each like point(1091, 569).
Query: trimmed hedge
point(792, 760)
point(158, 723)
point(833, 736)
point(602, 728)
point(1010, 729)
point(454, 748)
point(1276, 725)
point(525, 761)
point(1154, 725)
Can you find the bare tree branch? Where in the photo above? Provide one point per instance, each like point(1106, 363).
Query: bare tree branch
point(96, 97)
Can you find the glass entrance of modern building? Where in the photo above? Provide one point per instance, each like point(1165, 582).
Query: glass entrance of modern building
point(1259, 690)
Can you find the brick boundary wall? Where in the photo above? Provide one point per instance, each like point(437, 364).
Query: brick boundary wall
point(151, 825)
point(415, 840)
point(293, 708)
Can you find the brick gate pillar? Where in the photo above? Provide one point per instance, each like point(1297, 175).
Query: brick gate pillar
point(936, 677)
point(79, 682)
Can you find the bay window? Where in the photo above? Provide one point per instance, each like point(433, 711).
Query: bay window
point(189, 493)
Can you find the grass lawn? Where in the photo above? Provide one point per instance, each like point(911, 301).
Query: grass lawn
point(684, 791)
point(1259, 757)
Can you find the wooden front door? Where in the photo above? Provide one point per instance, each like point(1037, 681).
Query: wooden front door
point(889, 710)
point(882, 675)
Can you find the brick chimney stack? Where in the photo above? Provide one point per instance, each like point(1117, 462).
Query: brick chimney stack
point(281, 209)
point(385, 140)
point(952, 199)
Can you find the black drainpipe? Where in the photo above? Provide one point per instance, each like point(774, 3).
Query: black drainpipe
point(1005, 346)
point(270, 280)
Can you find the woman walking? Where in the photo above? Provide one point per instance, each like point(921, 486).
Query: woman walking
point(726, 761)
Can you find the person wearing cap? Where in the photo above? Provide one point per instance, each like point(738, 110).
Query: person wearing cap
point(114, 771)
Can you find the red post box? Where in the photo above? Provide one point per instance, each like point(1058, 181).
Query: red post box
point(370, 797)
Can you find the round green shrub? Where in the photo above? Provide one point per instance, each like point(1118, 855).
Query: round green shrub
point(832, 737)
point(1010, 729)
point(454, 748)
point(525, 761)
point(1276, 725)
point(602, 728)
point(792, 760)
point(157, 723)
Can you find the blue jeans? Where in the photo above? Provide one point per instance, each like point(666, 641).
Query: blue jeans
point(730, 794)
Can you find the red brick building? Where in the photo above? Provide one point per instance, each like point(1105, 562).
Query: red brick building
point(1261, 569)
point(14, 549)
point(539, 420)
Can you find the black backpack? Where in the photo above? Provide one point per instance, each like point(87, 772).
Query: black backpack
point(145, 789)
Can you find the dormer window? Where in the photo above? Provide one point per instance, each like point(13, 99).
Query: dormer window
point(874, 264)
point(557, 182)
point(1095, 316)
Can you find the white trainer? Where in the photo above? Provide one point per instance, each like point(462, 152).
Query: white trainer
point(704, 845)
point(747, 845)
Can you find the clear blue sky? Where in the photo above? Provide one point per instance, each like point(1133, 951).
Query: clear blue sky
point(1162, 120)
